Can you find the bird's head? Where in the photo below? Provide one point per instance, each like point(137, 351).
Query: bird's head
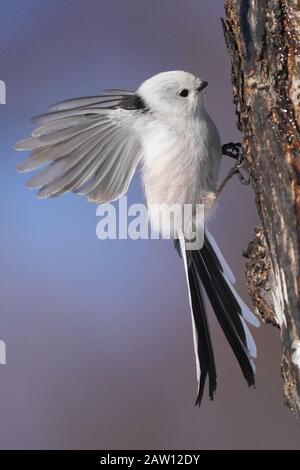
point(173, 93)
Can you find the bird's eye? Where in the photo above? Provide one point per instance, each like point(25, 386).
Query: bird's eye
point(184, 93)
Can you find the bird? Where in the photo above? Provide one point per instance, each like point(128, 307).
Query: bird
point(93, 145)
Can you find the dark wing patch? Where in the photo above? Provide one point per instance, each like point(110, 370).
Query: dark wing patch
point(133, 102)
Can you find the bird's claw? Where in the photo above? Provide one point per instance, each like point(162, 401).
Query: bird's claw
point(237, 169)
point(232, 150)
point(245, 180)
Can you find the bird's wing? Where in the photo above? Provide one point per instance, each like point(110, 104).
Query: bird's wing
point(85, 145)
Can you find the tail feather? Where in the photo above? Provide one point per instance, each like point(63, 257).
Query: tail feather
point(204, 349)
point(207, 268)
point(215, 252)
point(219, 261)
point(202, 342)
point(227, 315)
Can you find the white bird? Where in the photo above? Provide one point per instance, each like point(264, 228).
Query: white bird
point(93, 145)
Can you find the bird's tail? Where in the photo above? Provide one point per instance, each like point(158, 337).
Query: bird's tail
point(207, 269)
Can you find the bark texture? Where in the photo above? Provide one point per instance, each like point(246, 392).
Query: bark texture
point(262, 37)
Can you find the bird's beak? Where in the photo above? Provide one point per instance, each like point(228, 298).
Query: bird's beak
point(202, 86)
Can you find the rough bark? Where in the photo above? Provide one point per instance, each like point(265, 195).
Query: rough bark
point(262, 37)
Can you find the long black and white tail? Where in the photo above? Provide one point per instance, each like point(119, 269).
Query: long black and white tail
point(207, 269)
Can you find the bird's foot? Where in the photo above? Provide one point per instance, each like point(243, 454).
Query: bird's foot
point(232, 150)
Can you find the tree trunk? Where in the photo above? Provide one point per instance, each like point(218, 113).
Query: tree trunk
point(262, 37)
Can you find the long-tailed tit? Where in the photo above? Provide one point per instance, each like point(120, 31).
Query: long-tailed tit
point(92, 146)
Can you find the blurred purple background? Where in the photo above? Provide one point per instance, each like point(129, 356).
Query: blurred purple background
point(98, 334)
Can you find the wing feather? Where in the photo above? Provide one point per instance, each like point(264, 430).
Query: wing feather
point(88, 146)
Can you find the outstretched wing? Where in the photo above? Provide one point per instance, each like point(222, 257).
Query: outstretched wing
point(85, 145)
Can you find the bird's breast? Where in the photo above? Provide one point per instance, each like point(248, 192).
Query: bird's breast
point(177, 165)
